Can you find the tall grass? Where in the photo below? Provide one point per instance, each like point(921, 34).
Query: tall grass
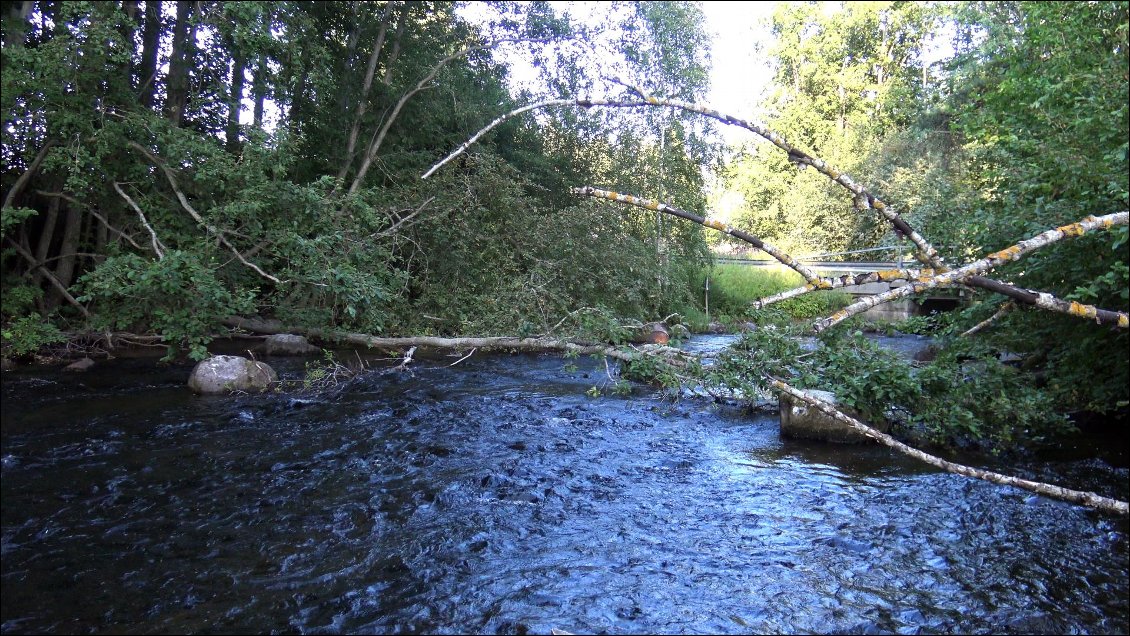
point(734, 287)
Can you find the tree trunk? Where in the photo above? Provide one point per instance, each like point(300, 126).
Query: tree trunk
point(150, 43)
point(235, 99)
point(1088, 499)
point(128, 28)
point(363, 100)
point(346, 62)
point(259, 90)
point(65, 269)
point(15, 23)
point(46, 236)
point(390, 63)
point(670, 355)
point(179, 62)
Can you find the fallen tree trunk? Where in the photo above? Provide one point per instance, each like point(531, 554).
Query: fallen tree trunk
point(671, 355)
point(970, 274)
point(1089, 499)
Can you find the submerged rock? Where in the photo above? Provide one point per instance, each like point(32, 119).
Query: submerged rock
point(288, 344)
point(79, 365)
point(224, 374)
point(799, 420)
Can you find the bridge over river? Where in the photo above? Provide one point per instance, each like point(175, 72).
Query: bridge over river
point(937, 300)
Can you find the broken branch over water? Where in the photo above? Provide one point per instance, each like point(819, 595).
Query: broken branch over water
point(1089, 499)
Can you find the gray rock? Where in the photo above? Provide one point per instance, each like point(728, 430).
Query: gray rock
point(224, 374)
point(801, 421)
point(288, 344)
point(680, 331)
point(79, 365)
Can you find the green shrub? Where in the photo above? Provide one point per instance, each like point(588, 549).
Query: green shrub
point(28, 334)
point(734, 287)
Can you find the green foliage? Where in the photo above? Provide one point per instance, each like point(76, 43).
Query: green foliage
point(652, 370)
point(178, 297)
point(23, 330)
point(967, 392)
point(847, 75)
point(28, 334)
point(966, 396)
point(864, 376)
point(327, 374)
point(1039, 99)
point(12, 217)
point(477, 249)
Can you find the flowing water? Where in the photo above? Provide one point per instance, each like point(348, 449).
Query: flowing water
point(496, 496)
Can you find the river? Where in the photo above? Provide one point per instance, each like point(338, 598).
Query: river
point(495, 496)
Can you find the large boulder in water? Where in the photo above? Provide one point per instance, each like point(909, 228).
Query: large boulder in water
point(800, 420)
point(288, 344)
point(224, 374)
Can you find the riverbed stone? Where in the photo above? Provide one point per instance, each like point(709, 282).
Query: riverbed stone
point(288, 344)
point(80, 365)
point(224, 374)
point(801, 421)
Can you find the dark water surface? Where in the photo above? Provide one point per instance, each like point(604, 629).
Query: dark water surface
point(495, 496)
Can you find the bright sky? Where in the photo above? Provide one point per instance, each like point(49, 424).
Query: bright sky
point(739, 75)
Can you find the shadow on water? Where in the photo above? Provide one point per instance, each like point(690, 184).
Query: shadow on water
point(495, 496)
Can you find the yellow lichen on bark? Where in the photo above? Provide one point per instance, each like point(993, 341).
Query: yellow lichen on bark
point(889, 274)
point(1006, 254)
point(1083, 311)
point(1072, 229)
point(1124, 321)
point(713, 223)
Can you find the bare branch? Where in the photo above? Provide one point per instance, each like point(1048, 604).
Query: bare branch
point(195, 215)
point(101, 219)
point(141, 215)
point(863, 199)
point(1089, 499)
point(392, 229)
point(469, 354)
point(926, 253)
point(1004, 309)
point(379, 137)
